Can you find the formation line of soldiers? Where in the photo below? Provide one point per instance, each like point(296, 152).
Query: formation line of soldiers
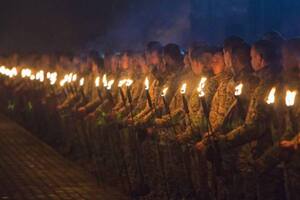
point(210, 123)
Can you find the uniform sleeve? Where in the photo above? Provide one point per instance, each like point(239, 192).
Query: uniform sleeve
point(91, 106)
point(170, 120)
point(254, 126)
point(271, 158)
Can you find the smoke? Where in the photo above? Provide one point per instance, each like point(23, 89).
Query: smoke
point(162, 20)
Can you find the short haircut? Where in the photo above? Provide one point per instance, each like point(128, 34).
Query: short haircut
point(197, 52)
point(231, 42)
point(154, 46)
point(266, 49)
point(274, 37)
point(173, 51)
point(242, 54)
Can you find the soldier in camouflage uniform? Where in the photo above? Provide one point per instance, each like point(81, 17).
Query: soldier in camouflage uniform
point(282, 153)
point(254, 136)
point(195, 120)
point(216, 100)
point(231, 113)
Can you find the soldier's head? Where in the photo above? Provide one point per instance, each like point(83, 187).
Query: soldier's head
point(241, 57)
point(275, 37)
point(193, 47)
point(153, 53)
point(93, 61)
point(115, 62)
point(45, 60)
point(229, 44)
point(126, 60)
point(172, 57)
point(291, 54)
point(201, 58)
point(277, 40)
point(107, 60)
point(263, 53)
point(217, 63)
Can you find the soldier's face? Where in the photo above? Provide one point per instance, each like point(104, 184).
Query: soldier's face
point(154, 58)
point(217, 63)
point(125, 62)
point(256, 60)
point(197, 67)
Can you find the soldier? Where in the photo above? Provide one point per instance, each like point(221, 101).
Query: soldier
point(216, 95)
point(195, 121)
point(285, 148)
point(256, 126)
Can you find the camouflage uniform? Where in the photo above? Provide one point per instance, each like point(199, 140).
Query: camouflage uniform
point(280, 157)
point(227, 113)
point(153, 150)
point(254, 137)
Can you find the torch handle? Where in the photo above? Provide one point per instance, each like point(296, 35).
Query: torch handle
point(166, 106)
point(122, 96)
point(82, 92)
point(185, 104)
point(109, 95)
point(149, 99)
point(129, 95)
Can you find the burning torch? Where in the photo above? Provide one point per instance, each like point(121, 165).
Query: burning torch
point(81, 84)
point(147, 93)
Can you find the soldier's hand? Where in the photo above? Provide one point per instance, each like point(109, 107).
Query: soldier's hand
point(129, 121)
point(205, 135)
point(288, 144)
point(111, 116)
point(91, 116)
point(182, 138)
point(81, 111)
point(150, 131)
point(159, 121)
point(59, 107)
point(200, 146)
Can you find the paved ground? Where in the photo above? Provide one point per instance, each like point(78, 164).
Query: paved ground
point(30, 169)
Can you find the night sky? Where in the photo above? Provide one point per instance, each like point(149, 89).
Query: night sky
point(71, 25)
point(54, 24)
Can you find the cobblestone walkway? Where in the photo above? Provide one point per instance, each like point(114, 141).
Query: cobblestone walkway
point(30, 169)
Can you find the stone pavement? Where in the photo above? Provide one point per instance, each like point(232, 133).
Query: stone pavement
point(30, 169)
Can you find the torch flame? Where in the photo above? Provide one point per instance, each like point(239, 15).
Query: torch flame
point(14, 71)
point(25, 73)
point(40, 76)
point(97, 81)
point(109, 84)
point(52, 78)
point(62, 82)
point(164, 92)
point(129, 82)
point(183, 88)
point(290, 98)
point(238, 89)
point(121, 82)
point(81, 82)
point(271, 96)
point(74, 77)
point(201, 86)
point(104, 80)
point(146, 83)
point(32, 77)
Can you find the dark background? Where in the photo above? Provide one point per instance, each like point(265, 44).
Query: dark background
point(72, 25)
